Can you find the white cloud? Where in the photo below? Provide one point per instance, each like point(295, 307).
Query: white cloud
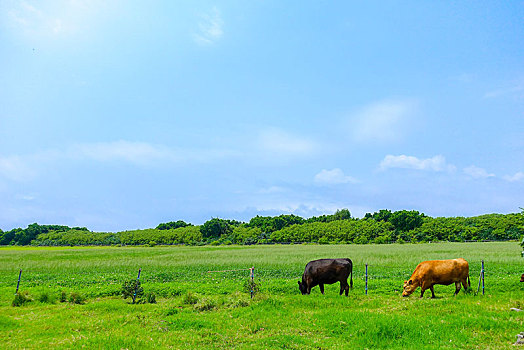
point(516, 177)
point(210, 28)
point(333, 177)
point(477, 173)
point(436, 163)
point(25, 197)
point(386, 121)
point(280, 143)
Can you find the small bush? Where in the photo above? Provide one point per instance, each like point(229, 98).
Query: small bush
point(205, 305)
point(21, 298)
point(77, 298)
point(190, 299)
point(151, 298)
point(129, 287)
point(172, 311)
point(237, 300)
point(63, 296)
point(46, 298)
point(251, 286)
point(175, 293)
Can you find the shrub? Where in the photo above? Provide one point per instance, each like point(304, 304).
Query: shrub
point(46, 298)
point(21, 298)
point(190, 299)
point(251, 286)
point(172, 311)
point(77, 298)
point(237, 300)
point(63, 296)
point(129, 288)
point(151, 298)
point(205, 305)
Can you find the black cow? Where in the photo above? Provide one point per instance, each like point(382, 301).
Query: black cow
point(327, 271)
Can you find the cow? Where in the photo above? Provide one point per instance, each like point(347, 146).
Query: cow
point(327, 271)
point(522, 278)
point(429, 273)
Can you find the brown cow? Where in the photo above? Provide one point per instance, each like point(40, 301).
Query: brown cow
point(429, 273)
point(522, 278)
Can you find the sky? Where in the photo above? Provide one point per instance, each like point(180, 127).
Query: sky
point(120, 115)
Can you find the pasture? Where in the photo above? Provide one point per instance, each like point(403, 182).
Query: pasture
point(197, 309)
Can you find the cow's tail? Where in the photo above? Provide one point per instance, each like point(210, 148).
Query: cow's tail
point(469, 282)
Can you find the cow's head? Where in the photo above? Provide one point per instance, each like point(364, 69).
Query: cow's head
point(303, 288)
point(409, 287)
point(522, 278)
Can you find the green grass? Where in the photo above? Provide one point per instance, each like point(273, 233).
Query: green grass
point(197, 309)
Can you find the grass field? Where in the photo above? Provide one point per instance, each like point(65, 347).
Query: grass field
point(197, 309)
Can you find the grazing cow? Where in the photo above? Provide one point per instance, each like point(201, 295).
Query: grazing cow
point(429, 273)
point(327, 271)
point(522, 278)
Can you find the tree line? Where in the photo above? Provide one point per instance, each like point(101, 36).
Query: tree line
point(381, 227)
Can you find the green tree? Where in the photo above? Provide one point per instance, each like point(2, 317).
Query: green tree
point(7, 237)
point(270, 224)
point(381, 215)
point(405, 220)
point(172, 225)
point(216, 227)
point(342, 214)
point(244, 234)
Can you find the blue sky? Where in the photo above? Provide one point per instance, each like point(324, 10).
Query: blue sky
point(120, 115)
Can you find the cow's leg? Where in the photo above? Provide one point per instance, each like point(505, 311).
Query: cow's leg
point(422, 290)
point(432, 292)
point(344, 287)
point(457, 287)
point(465, 284)
point(321, 286)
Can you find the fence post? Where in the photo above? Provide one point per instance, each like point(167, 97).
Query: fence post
point(252, 275)
point(136, 285)
point(366, 279)
point(481, 278)
point(18, 284)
